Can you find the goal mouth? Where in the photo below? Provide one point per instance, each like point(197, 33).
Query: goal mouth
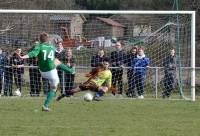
point(85, 32)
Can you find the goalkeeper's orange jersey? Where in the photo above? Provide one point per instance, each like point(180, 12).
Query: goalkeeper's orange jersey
point(103, 77)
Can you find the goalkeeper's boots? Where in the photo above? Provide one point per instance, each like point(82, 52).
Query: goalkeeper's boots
point(69, 93)
point(95, 98)
point(60, 97)
point(46, 109)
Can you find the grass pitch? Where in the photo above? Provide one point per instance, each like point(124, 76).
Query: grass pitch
point(111, 117)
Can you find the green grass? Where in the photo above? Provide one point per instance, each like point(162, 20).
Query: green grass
point(111, 117)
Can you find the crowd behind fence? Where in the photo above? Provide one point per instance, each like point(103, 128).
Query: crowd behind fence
point(153, 84)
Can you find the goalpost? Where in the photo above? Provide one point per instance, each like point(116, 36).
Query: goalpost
point(86, 31)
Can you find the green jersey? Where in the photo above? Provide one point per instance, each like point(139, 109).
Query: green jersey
point(46, 56)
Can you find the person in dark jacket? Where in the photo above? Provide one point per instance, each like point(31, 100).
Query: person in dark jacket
point(98, 58)
point(8, 76)
point(60, 54)
point(18, 70)
point(34, 75)
point(69, 78)
point(2, 62)
point(139, 65)
point(130, 72)
point(170, 73)
point(66, 79)
point(117, 60)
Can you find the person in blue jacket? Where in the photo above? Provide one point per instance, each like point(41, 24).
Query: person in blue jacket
point(139, 65)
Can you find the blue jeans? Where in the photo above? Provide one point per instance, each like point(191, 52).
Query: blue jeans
point(139, 82)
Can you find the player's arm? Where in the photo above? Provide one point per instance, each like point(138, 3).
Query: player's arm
point(24, 57)
point(31, 54)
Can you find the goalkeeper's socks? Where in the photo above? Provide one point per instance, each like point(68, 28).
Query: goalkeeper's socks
point(66, 68)
point(99, 94)
point(51, 94)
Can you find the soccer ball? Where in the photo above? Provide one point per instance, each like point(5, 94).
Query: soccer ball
point(88, 97)
point(17, 93)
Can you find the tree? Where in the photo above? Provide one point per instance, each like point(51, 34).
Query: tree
point(99, 4)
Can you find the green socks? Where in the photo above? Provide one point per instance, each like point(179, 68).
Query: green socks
point(66, 68)
point(50, 95)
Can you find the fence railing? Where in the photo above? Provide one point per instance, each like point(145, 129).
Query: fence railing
point(154, 74)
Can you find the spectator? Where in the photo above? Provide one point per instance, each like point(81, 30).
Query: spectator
point(139, 65)
point(60, 54)
point(130, 72)
point(170, 73)
point(117, 60)
point(67, 79)
point(8, 76)
point(18, 69)
point(2, 62)
point(34, 75)
point(98, 58)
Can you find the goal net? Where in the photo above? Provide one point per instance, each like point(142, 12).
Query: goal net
point(86, 34)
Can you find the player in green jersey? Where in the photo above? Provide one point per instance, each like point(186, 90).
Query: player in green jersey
point(47, 64)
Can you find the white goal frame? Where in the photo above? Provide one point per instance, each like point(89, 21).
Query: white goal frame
point(192, 13)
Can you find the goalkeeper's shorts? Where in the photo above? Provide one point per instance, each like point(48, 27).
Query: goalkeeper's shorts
point(89, 86)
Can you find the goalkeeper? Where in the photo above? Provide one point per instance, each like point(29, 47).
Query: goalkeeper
point(99, 81)
point(47, 64)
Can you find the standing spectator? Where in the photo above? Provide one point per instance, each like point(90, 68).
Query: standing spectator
point(18, 69)
point(139, 65)
point(117, 60)
point(8, 75)
point(69, 78)
point(170, 73)
point(60, 54)
point(130, 72)
point(34, 75)
point(2, 62)
point(98, 58)
point(68, 82)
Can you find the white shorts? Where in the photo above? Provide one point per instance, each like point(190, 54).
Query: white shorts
point(52, 76)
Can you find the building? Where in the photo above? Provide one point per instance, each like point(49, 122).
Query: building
point(103, 27)
point(73, 24)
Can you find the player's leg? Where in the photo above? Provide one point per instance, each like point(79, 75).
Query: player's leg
point(68, 93)
point(53, 78)
point(64, 67)
point(85, 86)
point(101, 91)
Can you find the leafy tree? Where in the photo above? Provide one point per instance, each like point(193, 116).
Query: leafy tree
point(99, 4)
